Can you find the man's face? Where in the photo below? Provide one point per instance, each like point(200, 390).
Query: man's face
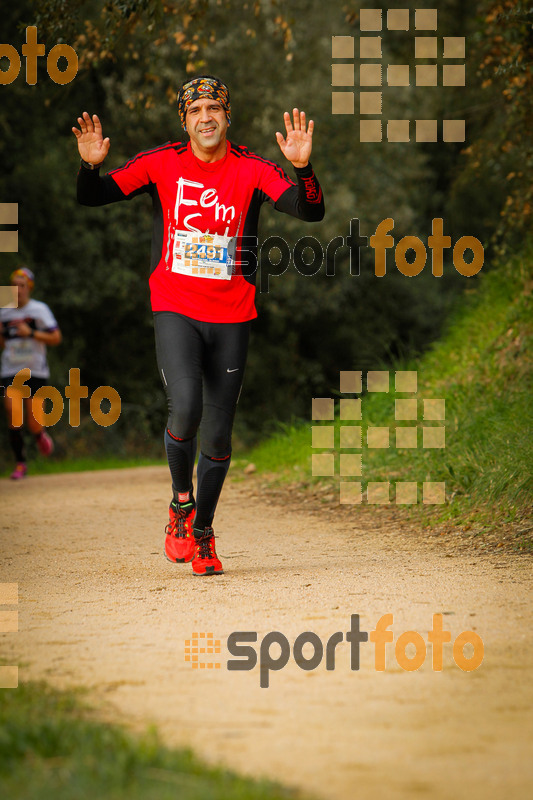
point(23, 288)
point(206, 123)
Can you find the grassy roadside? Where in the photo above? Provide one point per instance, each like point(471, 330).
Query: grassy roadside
point(482, 367)
point(42, 466)
point(51, 745)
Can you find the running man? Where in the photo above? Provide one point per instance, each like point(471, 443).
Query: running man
point(25, 333)
point(206, 195)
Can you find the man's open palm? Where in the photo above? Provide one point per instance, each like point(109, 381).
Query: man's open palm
point(92, 147)
point(296, 147)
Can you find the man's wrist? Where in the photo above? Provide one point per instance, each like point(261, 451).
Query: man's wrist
point(304, 171)
point(90, 166)
point(299, 164)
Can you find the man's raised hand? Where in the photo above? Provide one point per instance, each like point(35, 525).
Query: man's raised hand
point(92, 147)
point(298, 144)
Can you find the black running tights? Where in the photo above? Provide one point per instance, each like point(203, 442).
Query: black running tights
point(201, 365)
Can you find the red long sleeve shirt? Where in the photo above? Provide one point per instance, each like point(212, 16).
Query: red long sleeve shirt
point(220, 197)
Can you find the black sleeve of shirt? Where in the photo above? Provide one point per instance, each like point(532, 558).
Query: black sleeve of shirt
point(93, 190)
point(305, 200)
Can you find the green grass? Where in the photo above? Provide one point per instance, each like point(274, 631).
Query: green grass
point(288, 449)
point(41, 466)
point(482, 368)
point(51, 746)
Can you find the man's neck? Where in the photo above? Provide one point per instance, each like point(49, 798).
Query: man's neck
point(210, 155)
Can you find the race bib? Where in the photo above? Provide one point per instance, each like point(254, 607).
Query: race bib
point(22, 352)
point(204, 255)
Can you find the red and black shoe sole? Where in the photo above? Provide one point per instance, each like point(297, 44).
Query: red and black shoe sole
point(208, 571)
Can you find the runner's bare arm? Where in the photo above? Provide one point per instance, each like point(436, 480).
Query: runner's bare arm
point(296, 147)
point(92, 147)
point(49, 338)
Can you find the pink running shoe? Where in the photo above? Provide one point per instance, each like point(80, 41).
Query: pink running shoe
point(45, 443)
point(19, 471)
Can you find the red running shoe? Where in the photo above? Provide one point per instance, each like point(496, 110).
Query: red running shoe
point(205, 561)
point(19, 471)
point(45, 443)
point(179, 539)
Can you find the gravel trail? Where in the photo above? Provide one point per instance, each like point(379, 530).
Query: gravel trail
point(100, 606)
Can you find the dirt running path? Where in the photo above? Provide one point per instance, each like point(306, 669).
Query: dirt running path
point(100, 606)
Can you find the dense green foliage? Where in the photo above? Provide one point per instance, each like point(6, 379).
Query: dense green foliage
point(51, 746)
point(92, 264)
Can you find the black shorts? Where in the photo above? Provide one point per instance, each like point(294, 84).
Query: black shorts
point(201, 365)
point(33, 383)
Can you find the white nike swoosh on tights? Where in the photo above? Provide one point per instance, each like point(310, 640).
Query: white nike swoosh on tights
point(233, 370)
